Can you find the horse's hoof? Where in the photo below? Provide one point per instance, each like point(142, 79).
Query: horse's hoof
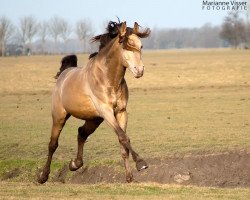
point(141, 164)
point(42, 177)
point(129, 178)
point(73, 165)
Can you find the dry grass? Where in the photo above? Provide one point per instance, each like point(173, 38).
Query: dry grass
point(117, 191)
point(183, 68)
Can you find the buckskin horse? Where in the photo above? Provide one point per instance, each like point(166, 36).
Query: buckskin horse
point(98, 92)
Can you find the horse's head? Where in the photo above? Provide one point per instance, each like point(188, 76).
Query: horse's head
point(132, 47)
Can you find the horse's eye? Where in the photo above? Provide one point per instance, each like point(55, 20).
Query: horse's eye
point(141, 47)
point(131, 42)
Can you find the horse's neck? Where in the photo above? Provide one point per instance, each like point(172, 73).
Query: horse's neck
point(112, 65)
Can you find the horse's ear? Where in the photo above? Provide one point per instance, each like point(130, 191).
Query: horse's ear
point(136, 28)
point(122, 30)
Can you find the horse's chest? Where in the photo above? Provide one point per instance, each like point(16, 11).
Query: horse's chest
point(112, 96)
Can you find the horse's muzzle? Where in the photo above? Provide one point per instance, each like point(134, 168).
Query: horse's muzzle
point(138, 72)
point(139, 75)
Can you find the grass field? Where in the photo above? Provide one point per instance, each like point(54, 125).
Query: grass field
point(189, 102)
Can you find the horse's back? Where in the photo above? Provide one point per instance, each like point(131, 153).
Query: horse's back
point(65, 74)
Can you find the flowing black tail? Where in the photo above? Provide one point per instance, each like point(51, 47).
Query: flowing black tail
point(67, 62)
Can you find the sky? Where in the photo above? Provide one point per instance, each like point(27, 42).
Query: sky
point(148, 13)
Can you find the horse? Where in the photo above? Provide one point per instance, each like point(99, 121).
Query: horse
point(98, 92)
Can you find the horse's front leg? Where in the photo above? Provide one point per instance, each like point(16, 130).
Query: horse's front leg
point(109, 117)
point(122, 118)
point(83, 132)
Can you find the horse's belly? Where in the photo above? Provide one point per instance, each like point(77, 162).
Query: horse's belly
point(80, 106)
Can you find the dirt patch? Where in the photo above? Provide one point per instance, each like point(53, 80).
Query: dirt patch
point(61, 174)
point(231, 169)
point(11, 174)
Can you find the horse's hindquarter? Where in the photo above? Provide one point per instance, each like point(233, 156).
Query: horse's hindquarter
point(75, 97)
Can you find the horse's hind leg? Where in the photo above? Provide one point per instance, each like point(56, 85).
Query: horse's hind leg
point(57, 127)
point(83, 132)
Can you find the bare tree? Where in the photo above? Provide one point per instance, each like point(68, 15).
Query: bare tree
point(6, 30)
point(65, 31)
point(248, 24)
point(43, 34)
point(84, 30)
point(233, 29)
point(28, 29)
point(23, 34)
point(55, 30)
point(248, 11)
point(208, 36)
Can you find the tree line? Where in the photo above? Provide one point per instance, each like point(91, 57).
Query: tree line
point(233, 32)
point(57, 35)
point(46, 37)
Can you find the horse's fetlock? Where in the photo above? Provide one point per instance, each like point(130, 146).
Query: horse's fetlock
point(125, 155)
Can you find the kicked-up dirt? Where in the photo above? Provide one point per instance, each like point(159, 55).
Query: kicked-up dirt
point(230, 169)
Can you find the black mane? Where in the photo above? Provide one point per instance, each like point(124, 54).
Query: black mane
point(111, 32)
